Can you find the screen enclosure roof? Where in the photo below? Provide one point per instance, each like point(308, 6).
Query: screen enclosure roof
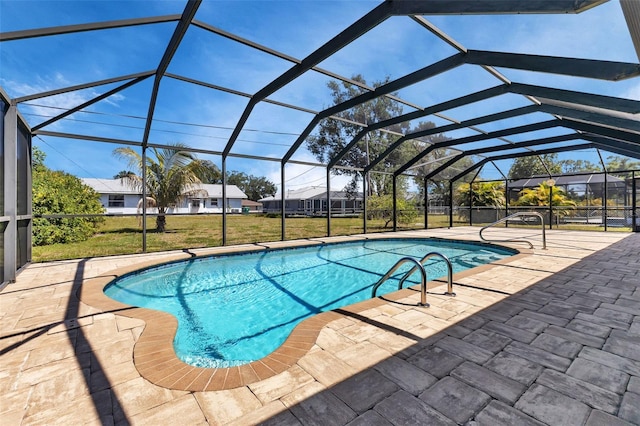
point(248, 81)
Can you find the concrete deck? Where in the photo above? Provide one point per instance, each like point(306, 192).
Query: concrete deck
point(547, 338)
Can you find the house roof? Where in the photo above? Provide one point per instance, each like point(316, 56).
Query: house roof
point(117, 186)
point(310, 193)
point(250, 203)
point(109, 186)
point(215, 190)
point(596, 178)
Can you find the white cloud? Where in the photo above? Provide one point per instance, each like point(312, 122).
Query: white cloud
point(39, 110)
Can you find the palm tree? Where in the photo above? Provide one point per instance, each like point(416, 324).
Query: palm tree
point(171, 176)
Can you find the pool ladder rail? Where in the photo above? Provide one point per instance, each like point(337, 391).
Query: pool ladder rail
point(418, 266)
point(515, 240)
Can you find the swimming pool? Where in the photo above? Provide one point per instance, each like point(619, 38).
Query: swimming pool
point(235, 309)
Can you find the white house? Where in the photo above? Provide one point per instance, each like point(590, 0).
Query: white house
point(118, 198)
point(312, 201)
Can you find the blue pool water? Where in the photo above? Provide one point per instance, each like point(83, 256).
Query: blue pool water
point(235, 309)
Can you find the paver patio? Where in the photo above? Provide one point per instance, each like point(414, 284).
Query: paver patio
point(552, 337)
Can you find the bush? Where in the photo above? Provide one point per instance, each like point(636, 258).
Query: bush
point(57, 192)
point(539, 196)
point(381, 207)
point(483, 194)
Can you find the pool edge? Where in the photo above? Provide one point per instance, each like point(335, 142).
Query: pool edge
point(157, 362)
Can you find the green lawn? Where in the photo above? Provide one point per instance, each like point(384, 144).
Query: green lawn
point(123, 235)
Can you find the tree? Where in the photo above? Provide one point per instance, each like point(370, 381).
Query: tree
point(123, 174)
point(439, 185)
point(37, 157)
point(539, 196)
point(617, 163)
point(381, 207)
point(254, 186)
point(578, 166)
point(525, 167)
point(334, 135)
point(210, 173)
point(59, 193)
point(171, 176)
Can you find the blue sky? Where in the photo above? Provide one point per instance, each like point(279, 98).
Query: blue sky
point(204, 118)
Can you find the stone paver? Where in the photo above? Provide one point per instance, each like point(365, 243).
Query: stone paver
point(561, 310)
point(626, 347)
point(590, 328)
point(575, 336)
point(500, 414)
point(552, 407)
point(493, 342)
point(364, 390)
point(436, 361)
point(409, 377)
point(537, 355)
point(629, 366)
point(455, 399)
point(588, 393)
point(599, 375)
point(548, 318)
point(603, 320)
point(526, 323)
point(557, 345)
point(370, 418)
point(515, 367)
point(613, 314)
point(529, 342)
point(464, 350)
point(511, 332)
point(494, 384)
point(599, 418)
point(402, 408)
point(629, 407)
point(323, 409)
point(277, 386)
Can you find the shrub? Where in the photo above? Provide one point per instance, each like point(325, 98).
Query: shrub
point(540, 195)
point(381, 207)
point(483, 194)
point(57, 192)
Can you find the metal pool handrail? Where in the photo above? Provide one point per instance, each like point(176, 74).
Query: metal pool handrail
point(514, 240)
point(449, 291)
point(423, 278)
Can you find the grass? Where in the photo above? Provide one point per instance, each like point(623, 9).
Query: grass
point(123, 235)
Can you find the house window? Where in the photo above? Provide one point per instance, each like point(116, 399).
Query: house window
point(195, 203)
point(116, 200)
point(214, 202)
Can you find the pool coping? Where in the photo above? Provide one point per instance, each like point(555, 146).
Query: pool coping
point(156, 360)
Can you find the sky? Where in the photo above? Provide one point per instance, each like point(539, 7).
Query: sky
point(204, 118)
